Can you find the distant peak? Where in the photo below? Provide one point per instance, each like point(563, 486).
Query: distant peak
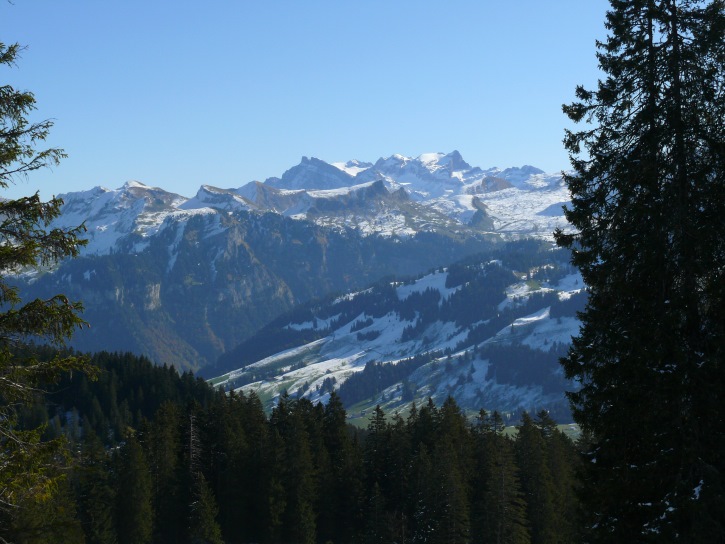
point(352, 167)
point(526, 169)
point(392, 160)
point(356, 163)
point(133, 184)
point(211, 189)
point(312, 161)
point(454, 161)
point(427, 158)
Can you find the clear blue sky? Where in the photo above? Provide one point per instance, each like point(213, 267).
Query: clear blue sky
point(182, 93)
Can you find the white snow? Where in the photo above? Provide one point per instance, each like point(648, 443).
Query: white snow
point(331, 193)
point(549, 331)
point(351, 167)
point(529, 208)
point(428, 158)
point(517, 211)
point(572, 283)
point(435, 281)
point(515, 294)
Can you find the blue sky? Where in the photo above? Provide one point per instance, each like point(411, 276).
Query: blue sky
point(183, 93)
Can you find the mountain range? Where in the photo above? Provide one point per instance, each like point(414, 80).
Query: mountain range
point(186, 279)
point(395, 196)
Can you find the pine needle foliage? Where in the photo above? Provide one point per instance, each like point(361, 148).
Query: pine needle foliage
point(28, 475)
point(648, 206)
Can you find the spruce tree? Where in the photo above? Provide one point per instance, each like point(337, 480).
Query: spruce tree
point(227, 441)
point(451, 497)
point(648, 202)
point(134, 494)
point(94, 491)
point(27, 242)
point(52, 520)
point(423, 492)
point(204, 528)
point(399, 465)
point(563, 465)
point(498, 509)
point(297, 477)
point(164, 450)
point(537, 483)
point(340, 491)
point(377, 528)
point(376, 451)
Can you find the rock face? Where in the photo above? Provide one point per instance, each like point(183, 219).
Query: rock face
point(202, 285)
point(183, 280)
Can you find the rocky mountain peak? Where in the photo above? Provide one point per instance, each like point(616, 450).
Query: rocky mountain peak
point(312, 173)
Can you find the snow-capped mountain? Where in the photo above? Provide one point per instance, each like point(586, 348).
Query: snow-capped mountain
point(313, 173)
point(482, 332)
point(395, 196)
point(114, 217)
point(185, 279)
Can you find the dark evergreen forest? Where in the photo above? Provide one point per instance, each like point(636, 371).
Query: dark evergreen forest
point(154, 456)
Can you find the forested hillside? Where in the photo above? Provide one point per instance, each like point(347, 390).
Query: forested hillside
point(488, 331)
point(161, 457)
point(203, 285)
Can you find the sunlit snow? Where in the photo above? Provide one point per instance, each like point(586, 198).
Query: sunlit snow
point(443, 183)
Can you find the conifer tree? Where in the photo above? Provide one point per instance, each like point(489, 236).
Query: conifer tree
point(226, 439)
point(297, 478)
point(375, 457)
point(164, 447)
point(95, 492)
point(274, 491)
point(451, 497)
point(204, 528)
point(398, 487)
point(377, 528)
point(648, 202)
point(563, 461)
point(537, 483)
point(254, 463)
point(27, 242)
point(498, 509)
point(52, 520)
point(453, 460)
point(423, 490)
point(340, 485)
point(134, 511)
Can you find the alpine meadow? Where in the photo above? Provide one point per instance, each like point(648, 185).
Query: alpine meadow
point(412, 349)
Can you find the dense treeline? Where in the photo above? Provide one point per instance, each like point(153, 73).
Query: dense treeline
point(375, 377)
point(127, 390)
point(522, 365)
point(162, 457)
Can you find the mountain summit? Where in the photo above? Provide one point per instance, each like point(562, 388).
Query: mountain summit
point(433, 192)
